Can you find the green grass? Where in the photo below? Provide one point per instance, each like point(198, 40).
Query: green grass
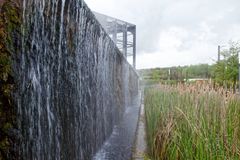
point(188, 124)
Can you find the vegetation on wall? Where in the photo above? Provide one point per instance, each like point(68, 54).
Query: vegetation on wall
point(9, 29)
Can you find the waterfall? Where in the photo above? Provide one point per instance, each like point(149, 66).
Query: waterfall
point(73, 82)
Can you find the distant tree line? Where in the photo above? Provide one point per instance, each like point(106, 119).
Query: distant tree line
point(222, 73)
point(179, 73)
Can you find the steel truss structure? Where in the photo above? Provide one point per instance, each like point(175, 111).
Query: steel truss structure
point(122, 33)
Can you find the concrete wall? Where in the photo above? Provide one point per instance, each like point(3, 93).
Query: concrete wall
point(72, 82)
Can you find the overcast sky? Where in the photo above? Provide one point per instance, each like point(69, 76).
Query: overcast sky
point(176, 32)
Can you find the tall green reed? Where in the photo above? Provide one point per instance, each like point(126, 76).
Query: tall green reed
point(192, 123)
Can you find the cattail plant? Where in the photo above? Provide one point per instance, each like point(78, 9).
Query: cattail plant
point(192, 121)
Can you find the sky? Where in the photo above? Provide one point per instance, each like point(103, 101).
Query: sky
point(176, 32)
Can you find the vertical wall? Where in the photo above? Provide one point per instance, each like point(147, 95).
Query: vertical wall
point(72, 82)
point(9, 44)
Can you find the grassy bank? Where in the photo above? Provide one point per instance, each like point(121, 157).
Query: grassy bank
point(192, 122)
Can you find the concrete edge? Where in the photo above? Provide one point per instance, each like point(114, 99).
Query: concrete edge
point(140, 145)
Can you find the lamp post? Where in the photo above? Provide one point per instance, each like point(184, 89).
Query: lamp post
point(219, 51)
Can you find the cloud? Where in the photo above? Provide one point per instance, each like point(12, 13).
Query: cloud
point(176, 32)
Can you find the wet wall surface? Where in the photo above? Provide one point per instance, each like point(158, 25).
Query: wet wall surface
point(120, 144)
point(73, 84)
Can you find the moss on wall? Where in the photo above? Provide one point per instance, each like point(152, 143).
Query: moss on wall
point(10, 23)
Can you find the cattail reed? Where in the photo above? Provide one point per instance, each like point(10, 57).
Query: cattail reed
point(193, 121)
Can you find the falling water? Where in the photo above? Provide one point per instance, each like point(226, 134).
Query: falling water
point(73, 83)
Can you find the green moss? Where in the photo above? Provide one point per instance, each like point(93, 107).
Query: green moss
point(11, 18)
point(10, 23)
point(7, 126)
point(7, 89)
point(4, 144)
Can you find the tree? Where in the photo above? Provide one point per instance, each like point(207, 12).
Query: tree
point(226, 70)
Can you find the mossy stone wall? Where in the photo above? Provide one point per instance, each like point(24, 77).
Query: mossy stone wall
point(10, 23)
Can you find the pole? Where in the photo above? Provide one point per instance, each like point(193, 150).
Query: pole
point(125, 40)
point(219, 53)
point(239, 72)
point(169, 74)
point(134, 47)
point(115, 32)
